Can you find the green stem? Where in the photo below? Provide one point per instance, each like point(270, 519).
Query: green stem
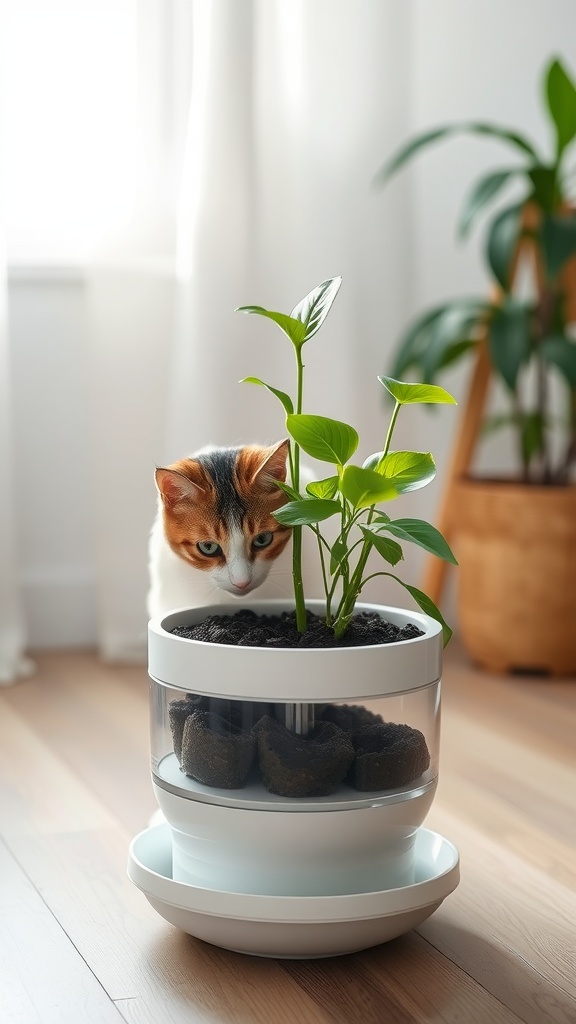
point(355, 584)
point(350, 597)
point(299, 600)
point(388, 440)
point(321, 541)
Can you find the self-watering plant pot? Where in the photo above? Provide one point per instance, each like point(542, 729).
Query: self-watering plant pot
point(332, 809)
point(516, 545)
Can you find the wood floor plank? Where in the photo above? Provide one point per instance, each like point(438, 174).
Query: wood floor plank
point(531, 779)
point(97, 718)
point(150, 969)
point(509, 926)
point(444, 992)
point(74, 787)
point(39, 792)
point(44, 980)
point(402, 982)
point(513, 828)
point(541, 713)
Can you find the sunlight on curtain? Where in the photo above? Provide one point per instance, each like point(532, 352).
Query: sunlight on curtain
point(276, 156)
point(12, 629)
point(69, 75)
point(13, 663)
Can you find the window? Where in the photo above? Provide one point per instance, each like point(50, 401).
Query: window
point(68, 77)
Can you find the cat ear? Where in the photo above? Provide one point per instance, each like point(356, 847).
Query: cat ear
point(272, 467)
point(174, 488)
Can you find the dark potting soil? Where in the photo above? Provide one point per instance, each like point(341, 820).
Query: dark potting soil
point(247, 629)
point(216, 751)
point(388, 755)
point(301, 766)
point(217, 741)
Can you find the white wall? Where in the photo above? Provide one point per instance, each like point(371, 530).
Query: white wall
point(475, 62)
point(470, 61)
point(50, 372)
point(464, 60)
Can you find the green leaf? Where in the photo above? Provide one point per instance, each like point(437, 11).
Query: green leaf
point(280, 395)
point(314, 308)
point(503, 242)
point(558, 236)
point(381, 518)
point(545, 186)
point(456, 322)
point(423, 534)
point(412, 394)
point(436, 339)
point(306, 511)
point(338, 554)
point(414, 341)
point(509, 340)
point(406, 470)
point(292, 328)
point(531, 435)
point(363, 487)
point(481, 194)
point(561, 99)
point(372, 461)
point(452, 353)
point(427, 605)
point(560, 352)
point(389, 549)
point(322, 438)
point(429, 608)
point(499, 420)
point(323, 488)
point(411, 148)
point(289, 491)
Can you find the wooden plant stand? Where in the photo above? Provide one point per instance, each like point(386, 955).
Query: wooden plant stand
point(516, 543)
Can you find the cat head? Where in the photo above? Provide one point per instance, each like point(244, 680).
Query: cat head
point(217, 512)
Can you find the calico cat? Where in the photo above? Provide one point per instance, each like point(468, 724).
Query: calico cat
point(214, 533)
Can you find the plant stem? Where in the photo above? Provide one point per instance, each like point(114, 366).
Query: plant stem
point(570, 455)
point(524, 460)
point(388, 440)
point(548, 306)
point(299, 600)
point(347, 605)
point(542, 388)
point(355, 584)
point(321, 541)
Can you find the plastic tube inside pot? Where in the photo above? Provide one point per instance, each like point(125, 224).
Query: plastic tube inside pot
point(299, 718)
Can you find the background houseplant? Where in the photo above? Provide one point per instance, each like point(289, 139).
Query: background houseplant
point(516, 546)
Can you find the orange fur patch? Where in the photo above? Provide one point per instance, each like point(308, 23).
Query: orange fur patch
point(190, 505)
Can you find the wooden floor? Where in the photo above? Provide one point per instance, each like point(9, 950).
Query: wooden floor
point(80, 945)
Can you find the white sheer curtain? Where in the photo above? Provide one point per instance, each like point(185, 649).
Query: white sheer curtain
point(13, 662)
point(280, 145)
point(262, 122)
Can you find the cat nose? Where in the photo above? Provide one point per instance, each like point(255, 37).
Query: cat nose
point(242, 584)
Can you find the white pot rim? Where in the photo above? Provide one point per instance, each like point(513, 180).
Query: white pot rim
point(293, 674)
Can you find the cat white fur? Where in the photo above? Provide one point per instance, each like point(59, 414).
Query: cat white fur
point(176, 584)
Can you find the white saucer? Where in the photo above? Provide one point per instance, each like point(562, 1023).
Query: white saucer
point(295, 927)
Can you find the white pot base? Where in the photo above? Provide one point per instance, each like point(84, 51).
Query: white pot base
point(296, 927)
point(300, 848)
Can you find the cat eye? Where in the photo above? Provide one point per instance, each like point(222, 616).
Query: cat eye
point(263, 540)
point(209, 548)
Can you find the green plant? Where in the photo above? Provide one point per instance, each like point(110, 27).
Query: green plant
point(352, 493)
point(528, 339)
